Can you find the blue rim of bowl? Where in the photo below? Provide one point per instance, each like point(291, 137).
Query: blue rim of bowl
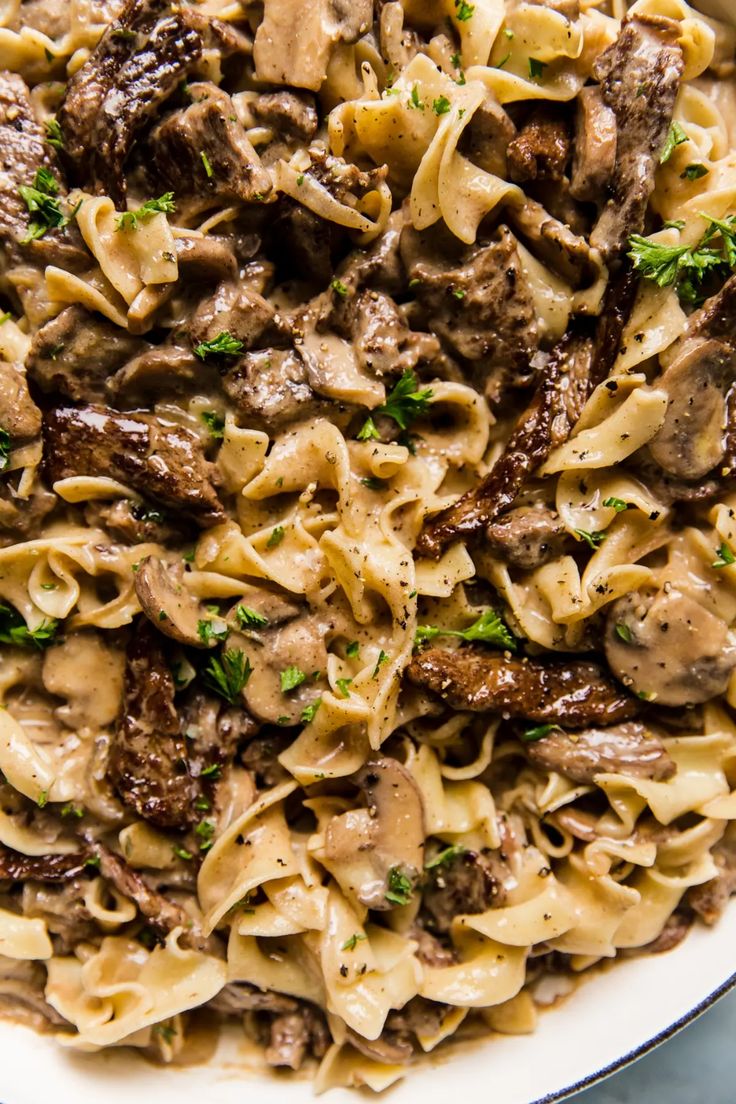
point(638, 1052)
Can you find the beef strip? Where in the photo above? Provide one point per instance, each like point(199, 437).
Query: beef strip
point(61, 907)
point(305, 243)
point(148, 764)
point(486, 138)
point(22, 517)
point(19, 415)
point(296, 1035)
point(565, 252)
point(239, 997)
point(383, 343)
point(710, 899)
point(269, 389)
point(573, 692)
point(136, 523)
point(419, 1017)
point(76, 353)
point(161, 460)
point(430, 951)
point(577, 364)
point(293, 113)
point(676, 927)
point(527, 537)
point(237, 308)
point(541, 149)
point(639, 76)
point(480, 306)
point(159, 371)
point(594, 159)
point(213, 730)
point(208, 128)
point(16, 867)
point(621, 749)
point(470, 882)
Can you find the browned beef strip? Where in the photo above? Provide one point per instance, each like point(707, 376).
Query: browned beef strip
point(419, 1017)
point(19, 415)
point(527, 537)
point(384, 344)
point(77, 352)
point(296, 1035)
point(554, 242)
point(305, 243)
point(293, 113)
point(234, 307)
point(141, 86)
point(639, 76)
point(391, 1047)
point(162, 913)
point(209, 127)
point(541, 149)
point(471, 882)
point(136, 523)
point(160, 371)
point(710, 899)
point(148, 764)
point(486, 138)
point(239, 997)
point(61, 907)
point(163, 461)
point(594, 159)
point(269, 389)
point(578, 363)
point(430, 951)
point(22, 517)
point(87, 88)
point(213, 730)
point(479, 303)
point(16, 867)
point(573, 692)
point(621, 749)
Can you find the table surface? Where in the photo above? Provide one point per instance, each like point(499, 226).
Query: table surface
point(698, 1066)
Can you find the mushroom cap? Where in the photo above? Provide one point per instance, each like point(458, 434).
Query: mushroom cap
point(168, 604)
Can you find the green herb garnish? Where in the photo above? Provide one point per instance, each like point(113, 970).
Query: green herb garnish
point(228, 675)
point(616, 504)
point(536, 68)
point(399, 887)
point(488, 629)
point(222, 345)
point(351, 943)
point(13, 630)
point(129, 220)
point(539, 732)
point(214, 422)
point(594, 539)
point(249, 618)
point(441, 105)
point(291, 677)
point(405, 403)
point(445, 856)
point(675, 138)
point(725, 557)
point(277, 535)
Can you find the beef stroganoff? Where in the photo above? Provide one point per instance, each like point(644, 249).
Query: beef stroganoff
point(367, 534)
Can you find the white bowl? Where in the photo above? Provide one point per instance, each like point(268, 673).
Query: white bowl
point(610, 1020)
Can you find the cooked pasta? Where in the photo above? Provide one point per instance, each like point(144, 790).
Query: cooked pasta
point(367, 542)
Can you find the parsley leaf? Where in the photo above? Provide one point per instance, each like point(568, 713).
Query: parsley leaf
point(204, 832)
point(382, 657)
point(539, 732)
point(399, 887)
point(353, 649)
point(414, 100)
point(163, 205)
point(41, 199)
point(310, 711)
point(208, 634)
point(13, 630)
point(675, 138)
point(214, 770)
point(182, 853)
point(4, 449)
point(207, 167)
point(725, 557)
point(617, 504)
point(339, 288)
point(441, 105)
point(291, 677)
point(488, 629)
point(214, 422)
point(351, 943)
point(694, 171)
point(249, 618)
point(54, 137)
point(463, 10)
point(277, 535)
point(536, 68)
point(623, 632)
point(445, 856)
point(228, 675)
point(594, 539)
point(404, 404)
point(343, 685)
point(222, 345)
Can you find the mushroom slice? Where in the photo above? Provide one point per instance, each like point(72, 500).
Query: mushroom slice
point(168, 605)
point(691, 441)
point(377, 853)
point(669, 648)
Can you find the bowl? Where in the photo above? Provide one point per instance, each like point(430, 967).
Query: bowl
point(613, 1017)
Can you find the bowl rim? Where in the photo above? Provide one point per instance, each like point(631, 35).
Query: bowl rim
point(644, 1048)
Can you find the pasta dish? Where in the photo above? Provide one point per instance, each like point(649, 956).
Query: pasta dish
point(367, 514)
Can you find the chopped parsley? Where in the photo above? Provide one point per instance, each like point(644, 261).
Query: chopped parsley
point(675, 137)
point(616, 504)
point(686, 266)
point(228, 675)
point(463, 10)
point(43, 799)
point(351, 943)
point(208, 634)
point(725, 557)
point(623, 632)
point(4, 449)
point(441, 105)
point(214, 770)
point(291, 677)
point(166, 1031)
point(373, 484)
point(310, 711)
point(205, 832)
point(414, 99)
point(54, 137)
point(207, 167)
point(277, 535)
point(72, 810)
point(536, 68)
point(13, 630)
point(694, 172)
point(594, 539)
point(181, 852)
point(222, 345)
point(488, 629)
point(214, 422)
point(539, 732)
point(339, 288)
point(445, 856)
point(42, 200)
point(405, 403)
point(129, 220)
point(399, 887)
point(343, 685)
point(249, 618)
point(353, 649)
point(382, 657)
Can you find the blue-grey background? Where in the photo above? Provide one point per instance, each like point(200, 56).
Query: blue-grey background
point(698, 1066)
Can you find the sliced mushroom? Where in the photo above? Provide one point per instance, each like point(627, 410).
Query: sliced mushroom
point(669, 648)
point(375, 847)
point(692, 440)
point(168, 605)
point(300, 644)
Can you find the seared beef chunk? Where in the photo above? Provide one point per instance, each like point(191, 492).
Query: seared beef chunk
point(471, 882)
point(205, 145)
point(417, 1018)
point(160, 371)
point(710, 899)
point(639, 77)
point(668, 647)
point(148, 763)
point(573, 692)
point(527, 537)
point(595, 145)
point(481, 306)
point(159, 459)
point(305, 243)
point(430, 951)
point(384, 344)
point(61, 907)
point(293, 113)
point(76, 353)
point(136, 523)
point(239, 997)
point(486, 138)
point(269, 389)
point(213, 730)
point(577, 364)
point(236, 308)
point(541, 149)
point(553, 242)
point(621, 749)
point(22, 517)
point(16, 867)
point(19, 415)
point(294, 1036)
